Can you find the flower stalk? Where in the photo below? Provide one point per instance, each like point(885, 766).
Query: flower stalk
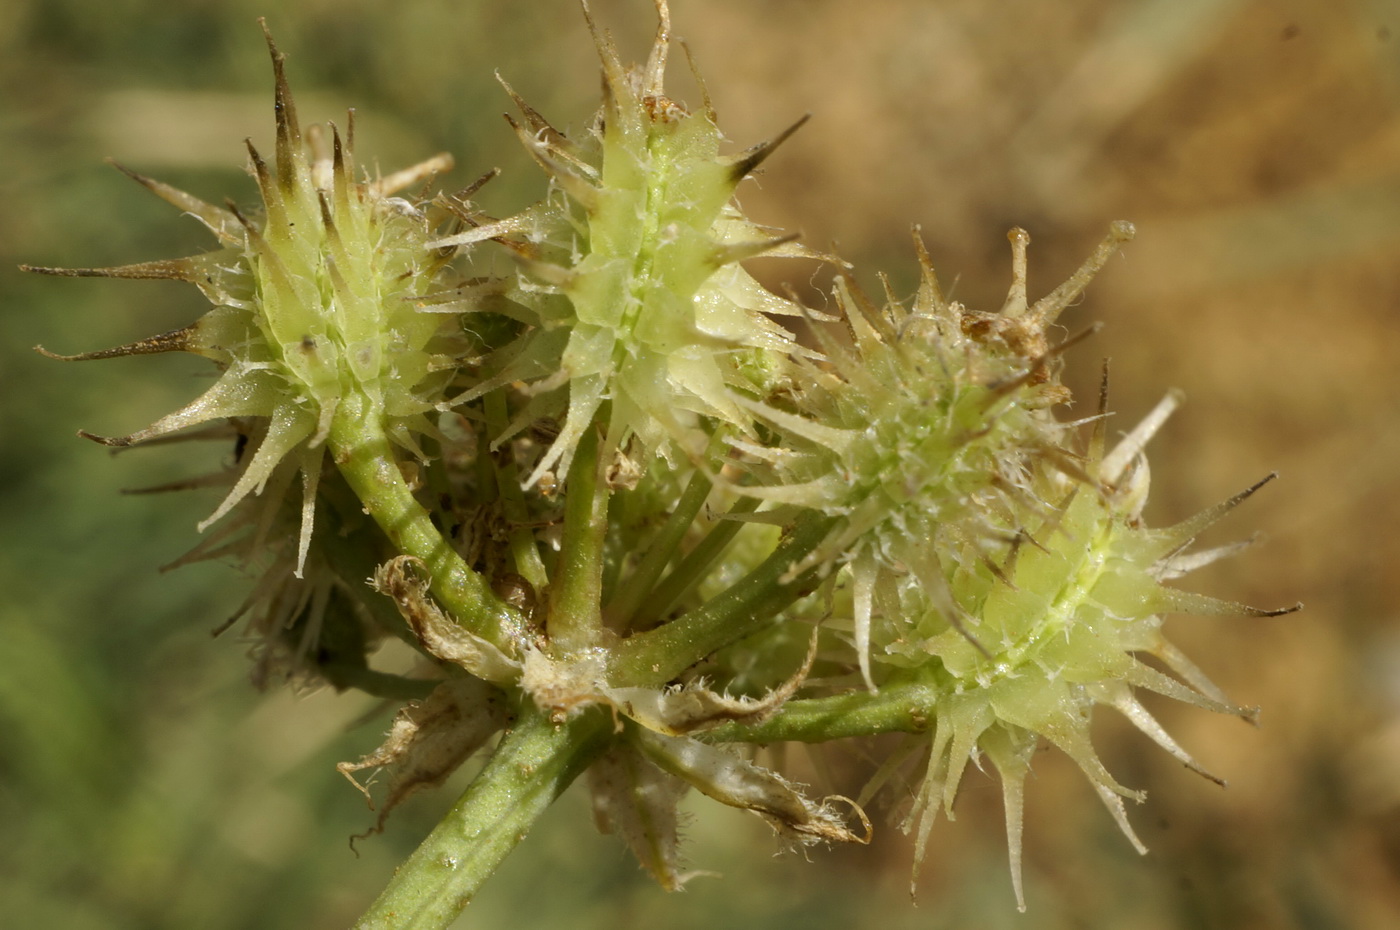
point(364, 456)
point(536, 760)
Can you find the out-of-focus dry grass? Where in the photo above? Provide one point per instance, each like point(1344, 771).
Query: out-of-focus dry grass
point(1256, 144)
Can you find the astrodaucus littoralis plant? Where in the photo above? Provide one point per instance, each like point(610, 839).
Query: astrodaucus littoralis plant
point(633, 526)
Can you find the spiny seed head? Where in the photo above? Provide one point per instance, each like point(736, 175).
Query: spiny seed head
point(1045, 630)
point(314, 302)
point(631, 282)
point(919, 428)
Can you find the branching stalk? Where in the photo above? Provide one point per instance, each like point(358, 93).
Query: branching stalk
point(576, 587)
point(637, 587)
point(659, 655)
point(693, 568)
point(366, 459)
point(897, 708)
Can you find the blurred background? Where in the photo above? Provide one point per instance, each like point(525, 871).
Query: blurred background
point(1256, 145)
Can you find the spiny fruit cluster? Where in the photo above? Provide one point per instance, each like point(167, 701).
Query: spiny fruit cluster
point(609, 482)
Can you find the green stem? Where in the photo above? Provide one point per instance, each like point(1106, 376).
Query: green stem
point(904, 707)
point(694, 567)
point(535, 761)
point(576, 588)
point(661, 548)
point(366, 459)
point(659, 655)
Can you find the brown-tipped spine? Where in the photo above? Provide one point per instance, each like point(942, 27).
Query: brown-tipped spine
point(177, 340)
point(537, 123)
point(544, 154)
point(340, 166)
point(1175, 538)
point(747, 162)
point(739, 251)
point(272, 197)
point(288, 129)
point(174, 269)
point(221, 222)
point(115, 442)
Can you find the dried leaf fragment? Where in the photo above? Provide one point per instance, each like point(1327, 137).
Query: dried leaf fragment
point(679, 711)
point(429, 739)
point(637, 801)
point(439, 635)
point(734, 781)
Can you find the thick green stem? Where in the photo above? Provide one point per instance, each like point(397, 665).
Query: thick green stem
point(660, 550)
point(693, 568)
point(904, 707)
point(535, 761)
point(576, 588)
point(659, 655)
point(367, 461)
